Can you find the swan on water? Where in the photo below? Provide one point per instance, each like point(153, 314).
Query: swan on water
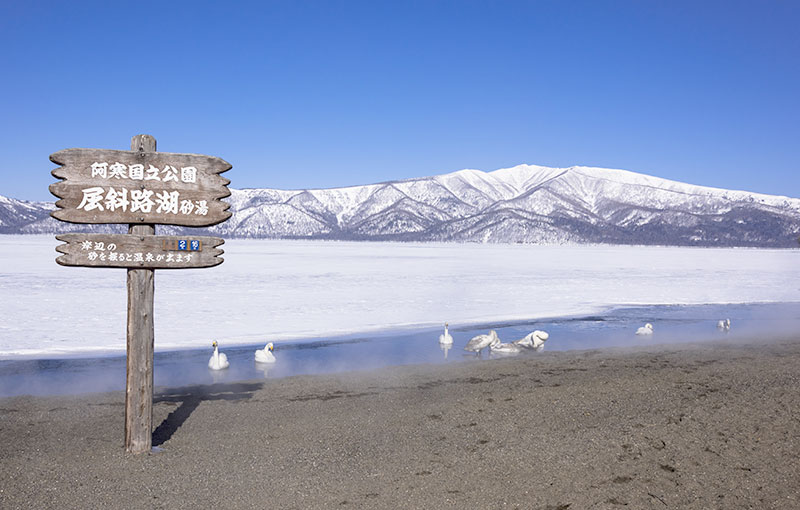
point(647, 329)
point(218, 360)
point(507, 349)
point(724, 325)
point(265, 355)
point(533, 340)
point(478, 343)
point(445, 338)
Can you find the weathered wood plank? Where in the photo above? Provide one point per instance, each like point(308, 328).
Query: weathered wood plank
point(140, 340)
point(136, 251)
point(140, 346)
point(140, 187)
point(188, 208)
point(77, 166)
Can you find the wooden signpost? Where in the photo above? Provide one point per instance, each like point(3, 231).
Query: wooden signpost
point(140, 187)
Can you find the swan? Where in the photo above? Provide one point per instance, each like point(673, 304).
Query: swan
point(533, 340)
point(265, 355)
point(508, 349)
point(647, 329)
point(445, 338)
point(218, 360)
point(724, 325)
point(478, 343)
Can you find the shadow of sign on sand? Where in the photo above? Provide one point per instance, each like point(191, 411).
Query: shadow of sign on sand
point(190, 397)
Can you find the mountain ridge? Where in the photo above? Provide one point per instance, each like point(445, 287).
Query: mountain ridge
point(519, 204)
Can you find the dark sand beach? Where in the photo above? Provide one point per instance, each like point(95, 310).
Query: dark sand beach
point(712, 425)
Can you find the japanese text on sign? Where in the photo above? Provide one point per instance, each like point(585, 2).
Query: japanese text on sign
point(97, 197)
point(101, 251)
point(137, 172)
point(124, 199)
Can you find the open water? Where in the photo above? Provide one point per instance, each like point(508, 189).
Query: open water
point(613, 328)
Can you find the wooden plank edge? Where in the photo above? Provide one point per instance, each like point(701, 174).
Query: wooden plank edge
point(217, 260)
point(58, 213)
point(63, 157)
point(70, 236)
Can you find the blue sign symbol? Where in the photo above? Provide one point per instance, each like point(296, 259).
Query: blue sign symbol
point(182, 244)
point(195, 245)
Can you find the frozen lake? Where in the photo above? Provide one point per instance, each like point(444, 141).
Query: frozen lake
point(332, 306)
point(292, 290)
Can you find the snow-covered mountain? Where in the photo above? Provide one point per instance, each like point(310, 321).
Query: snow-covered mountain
point(526, 203)
point(16, 214)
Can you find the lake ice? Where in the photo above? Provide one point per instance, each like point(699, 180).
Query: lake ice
point(314, 290)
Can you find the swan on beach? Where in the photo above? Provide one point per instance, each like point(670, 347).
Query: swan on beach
point(478, 343)
point(445, 337)
point(265, 355)
point(647, 329)
point(724, 325)
point(533, 340)
point(218, 360)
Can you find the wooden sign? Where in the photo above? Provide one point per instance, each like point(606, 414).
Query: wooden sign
point(139, 252)
point(140, 187)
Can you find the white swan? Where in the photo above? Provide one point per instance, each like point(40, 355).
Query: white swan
point(218, 360)
point(647, 329)
point(533, 340)
point(445, 338)
point(724, 325)
point(478, 343)
point(265, 355)
point(506, 349)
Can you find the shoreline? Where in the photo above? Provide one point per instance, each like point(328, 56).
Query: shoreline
point(706, 425)
point(82, 374)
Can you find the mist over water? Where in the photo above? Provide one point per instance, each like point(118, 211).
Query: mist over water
point(613, 328)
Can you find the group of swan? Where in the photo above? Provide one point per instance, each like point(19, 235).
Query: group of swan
point(647, 329)
point(534, 341)
point(219, 360)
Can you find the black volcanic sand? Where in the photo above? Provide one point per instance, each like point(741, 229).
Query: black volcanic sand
point(690, 426)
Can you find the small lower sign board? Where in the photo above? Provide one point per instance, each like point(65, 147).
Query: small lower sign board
point(139, 252)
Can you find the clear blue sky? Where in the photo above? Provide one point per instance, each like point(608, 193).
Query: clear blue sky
point(302, 94)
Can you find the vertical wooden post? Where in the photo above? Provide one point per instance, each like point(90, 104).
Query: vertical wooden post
point(140, 338)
